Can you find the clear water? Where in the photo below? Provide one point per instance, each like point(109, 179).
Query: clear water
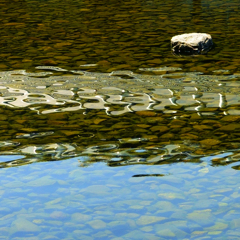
point(62, 200)
point(105, 134)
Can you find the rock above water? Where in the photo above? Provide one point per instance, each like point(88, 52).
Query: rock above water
point(191, 43)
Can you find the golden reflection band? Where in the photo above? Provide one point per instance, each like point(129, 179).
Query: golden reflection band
point(118, 92)
point(165, 101)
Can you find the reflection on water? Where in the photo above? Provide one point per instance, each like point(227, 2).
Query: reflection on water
point(160, 116)
point(95, 93)
point(132, 92)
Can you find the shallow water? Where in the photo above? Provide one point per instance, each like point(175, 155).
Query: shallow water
point(120, 155)
point(105, 134)
point(115, 35)
point(61, 200)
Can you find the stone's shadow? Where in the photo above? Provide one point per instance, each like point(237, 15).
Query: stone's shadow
point(149, 175)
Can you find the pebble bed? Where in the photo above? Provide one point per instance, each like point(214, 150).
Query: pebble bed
point(105, 134)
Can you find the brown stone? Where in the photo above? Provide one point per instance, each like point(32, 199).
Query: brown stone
point(49, 62)
point(146, 113)
point(189, 136)
point(3, 117)
point(210, 122)
point(178, 122)
point(160, 129)
point(29, 129)
point(97, 121)
point(103, 63)
point(50, 122)
point(70, 133)
point(62, 58)
point(230, 118)
point(20, 121)
point(195, 117)
point(3, 66)
point(155, 119)
point(62, 44)
point(209, 142)
point(230, 127)
point(186, 129)
point(143, 125)
point(202, 127)
point(155, 61)
point(197, 69)
point(167, 136)
point(58, 116)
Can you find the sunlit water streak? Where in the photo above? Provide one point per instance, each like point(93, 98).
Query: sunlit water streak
point(166, 91)
point(134, 92)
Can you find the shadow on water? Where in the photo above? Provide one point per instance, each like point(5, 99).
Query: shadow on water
point(159, 116)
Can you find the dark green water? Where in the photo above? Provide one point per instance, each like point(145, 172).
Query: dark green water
point(115, 35)
point(105, 134)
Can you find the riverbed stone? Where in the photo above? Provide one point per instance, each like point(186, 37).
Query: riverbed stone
point(79, 217)
point(23, 225)
point(97, 224)
point(209, 142)
point(166, 233)
point(230, 127)
point(96, 189)
point(188, 136)
point(160, 129)
point(145, 220)
point(154, 120)
point(167, 136)
point(58, 215)
point(217, 227)
point(40, 182)
point(230, 118)
point(164, 206)
point(202, 217)
point(146, 113)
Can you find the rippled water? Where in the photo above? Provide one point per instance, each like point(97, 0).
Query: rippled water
point(79, 113)
point(172, 136)
point(105, 134)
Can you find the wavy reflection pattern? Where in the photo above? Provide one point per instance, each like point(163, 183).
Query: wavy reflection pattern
point(164, 90)
point(130, 91)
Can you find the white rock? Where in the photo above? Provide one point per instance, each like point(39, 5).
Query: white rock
point(191, 43)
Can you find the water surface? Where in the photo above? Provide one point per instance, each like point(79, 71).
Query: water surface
point(105, 134)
